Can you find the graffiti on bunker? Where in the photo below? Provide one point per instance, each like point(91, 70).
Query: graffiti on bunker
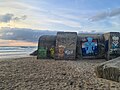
point(42, 52)
point(64, 46)
point(89, 46)
point(68, 52)
point(52, 52)
point(61, 51)
point(115, 44)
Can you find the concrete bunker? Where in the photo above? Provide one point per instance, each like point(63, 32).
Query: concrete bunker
point(66, 45)
point(46, 46)
point(112, 45)
point(69, 45)
point(90, 46)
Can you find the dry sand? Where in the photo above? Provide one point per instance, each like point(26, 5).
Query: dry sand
point(32, 74)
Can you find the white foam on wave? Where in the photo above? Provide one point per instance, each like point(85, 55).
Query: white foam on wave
point(15, 52)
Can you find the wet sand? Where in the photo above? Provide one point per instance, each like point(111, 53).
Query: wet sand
point(32, 74)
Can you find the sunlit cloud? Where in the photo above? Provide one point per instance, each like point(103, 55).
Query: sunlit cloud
point(16, 43)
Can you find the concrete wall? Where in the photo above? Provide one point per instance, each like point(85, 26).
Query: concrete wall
point(90, 46)
point(66, 45)
point(69, 45)
point(112, 44)
point(46, 46)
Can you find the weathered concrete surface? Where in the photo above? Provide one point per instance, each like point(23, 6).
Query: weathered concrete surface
point(109, 70)
point(46, 46)
point(112, 45)
point(98, 40)
point(66, 45)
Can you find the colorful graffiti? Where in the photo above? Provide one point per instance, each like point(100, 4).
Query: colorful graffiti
point(70, 46)
point(42, 52)
point(115, 42)
point(89, 46)
point(61, 51)
point(114, 45)
point(65, 45)
point(52, 52)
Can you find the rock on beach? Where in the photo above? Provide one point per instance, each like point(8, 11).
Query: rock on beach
point(109, 70)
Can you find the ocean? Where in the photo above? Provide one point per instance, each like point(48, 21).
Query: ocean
point(16, 51)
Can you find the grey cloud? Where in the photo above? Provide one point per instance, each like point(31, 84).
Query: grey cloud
point(11, 17)
point(6, 18)
point(20, 18)
point(115, 12)
point(103, 15)
point(23, 34)
point(99, 16)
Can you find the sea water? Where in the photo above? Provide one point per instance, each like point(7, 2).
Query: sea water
point(16, 51)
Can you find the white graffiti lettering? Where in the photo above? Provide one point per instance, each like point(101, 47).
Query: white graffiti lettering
point(68, 52)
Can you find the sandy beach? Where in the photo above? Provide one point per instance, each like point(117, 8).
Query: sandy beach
point(31, 74)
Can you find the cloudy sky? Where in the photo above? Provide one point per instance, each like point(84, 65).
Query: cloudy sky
point(23, 21)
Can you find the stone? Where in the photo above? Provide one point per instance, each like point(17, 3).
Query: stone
point(109, 70)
